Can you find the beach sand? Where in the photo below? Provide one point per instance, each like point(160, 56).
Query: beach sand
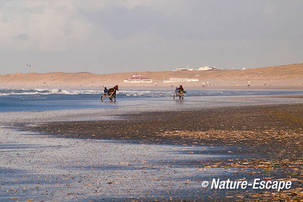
point(269, 139)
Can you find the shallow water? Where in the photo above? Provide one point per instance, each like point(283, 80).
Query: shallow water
point(46, 100)
point(58, 106)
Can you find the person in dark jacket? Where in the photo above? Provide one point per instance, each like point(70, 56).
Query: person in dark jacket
point(180, 89)
point(105, 90)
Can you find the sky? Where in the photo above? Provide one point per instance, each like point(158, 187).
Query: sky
point(109, 36)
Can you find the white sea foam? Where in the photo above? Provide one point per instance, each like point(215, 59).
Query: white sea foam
point(46, 92)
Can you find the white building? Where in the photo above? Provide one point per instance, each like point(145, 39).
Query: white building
point(184, 69)
point(180, 80)
point(206, 68)
point(138, 79)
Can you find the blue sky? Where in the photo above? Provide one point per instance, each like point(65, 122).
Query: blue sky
point(104, 36)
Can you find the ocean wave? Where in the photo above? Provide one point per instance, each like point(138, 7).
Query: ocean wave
point(126, 93)
point(7, 92)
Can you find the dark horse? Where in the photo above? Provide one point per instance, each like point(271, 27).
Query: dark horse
point(110, 93)
point(179, 92)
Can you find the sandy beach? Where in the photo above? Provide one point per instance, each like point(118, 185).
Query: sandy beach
point(255, 141)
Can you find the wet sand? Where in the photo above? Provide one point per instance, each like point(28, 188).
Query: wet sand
point(251, 126)
point(270, 138)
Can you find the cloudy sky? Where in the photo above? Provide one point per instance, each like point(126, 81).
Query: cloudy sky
point(104, 36)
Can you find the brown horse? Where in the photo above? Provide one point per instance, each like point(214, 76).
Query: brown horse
point(111, 94)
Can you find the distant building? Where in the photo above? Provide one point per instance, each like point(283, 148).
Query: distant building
point(180, 80)
point(184, 69)
point(206, 68)
point(138, 79)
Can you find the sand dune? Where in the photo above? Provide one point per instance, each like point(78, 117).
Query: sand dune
point(285, 76)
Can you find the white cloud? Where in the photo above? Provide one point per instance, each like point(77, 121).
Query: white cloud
point(46, 25)
point(50, 25)
point(103, 31)
point(97, 4)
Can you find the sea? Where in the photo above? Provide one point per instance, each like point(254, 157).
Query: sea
point(37, 100)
